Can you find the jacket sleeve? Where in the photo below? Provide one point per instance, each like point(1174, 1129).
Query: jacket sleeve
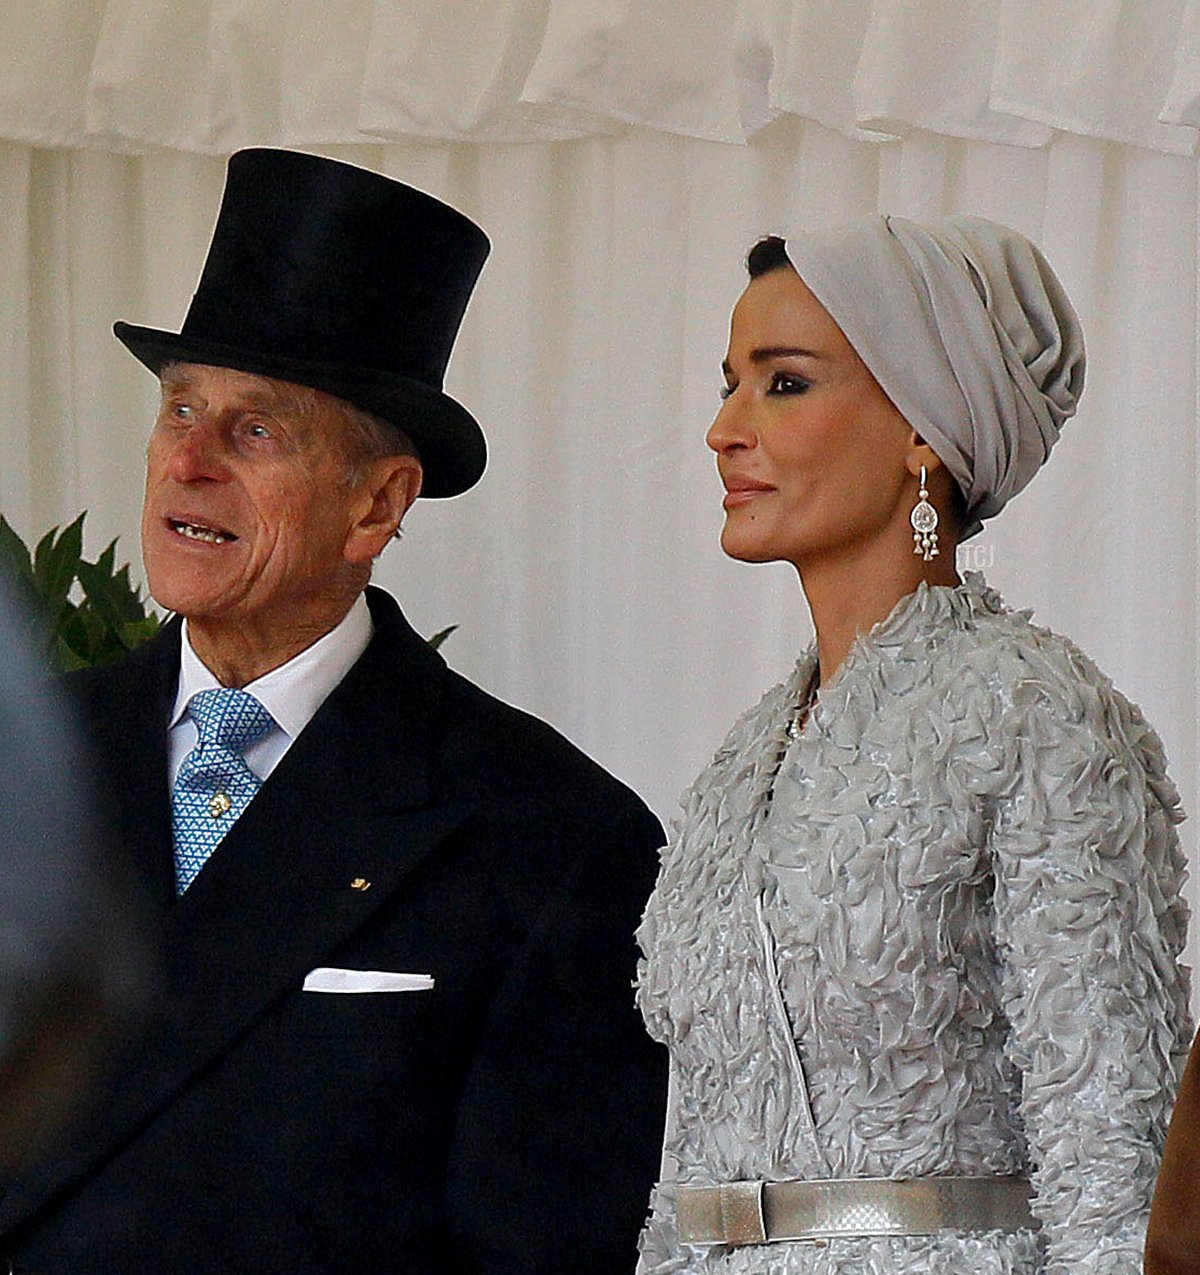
point(1089, 926)
point(560, 1130)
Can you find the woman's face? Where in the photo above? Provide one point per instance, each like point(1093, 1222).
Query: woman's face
point(811, 451)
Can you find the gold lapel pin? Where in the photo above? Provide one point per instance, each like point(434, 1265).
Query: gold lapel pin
point(360, 883)
point(221, 804)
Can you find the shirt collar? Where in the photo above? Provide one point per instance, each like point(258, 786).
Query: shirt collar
point(294, 691)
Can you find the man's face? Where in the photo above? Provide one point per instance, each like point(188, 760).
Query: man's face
point(248, 508)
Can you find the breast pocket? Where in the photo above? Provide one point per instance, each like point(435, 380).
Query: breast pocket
point(398, 1013)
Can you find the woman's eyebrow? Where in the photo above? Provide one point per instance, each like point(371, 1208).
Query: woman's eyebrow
point(764, 354)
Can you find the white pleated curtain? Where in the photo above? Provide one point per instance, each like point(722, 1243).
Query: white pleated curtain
point(623, 154)
point(213, 75)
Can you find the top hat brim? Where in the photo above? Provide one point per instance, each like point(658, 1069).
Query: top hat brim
point(447, 437)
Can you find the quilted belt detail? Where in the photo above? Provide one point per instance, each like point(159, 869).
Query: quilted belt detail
point(766, 1212)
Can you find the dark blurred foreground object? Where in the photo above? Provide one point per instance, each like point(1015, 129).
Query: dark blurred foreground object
point(1173, 1237)
point(69, 966)
point(77, 627)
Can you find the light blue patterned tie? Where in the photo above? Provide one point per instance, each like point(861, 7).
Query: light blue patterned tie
point(214, 784)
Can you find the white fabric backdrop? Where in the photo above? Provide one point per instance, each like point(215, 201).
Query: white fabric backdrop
point(584, 571)
point(212, 75)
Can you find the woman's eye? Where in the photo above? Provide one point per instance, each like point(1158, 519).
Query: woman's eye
point(788, 383)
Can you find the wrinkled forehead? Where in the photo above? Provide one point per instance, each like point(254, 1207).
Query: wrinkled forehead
point(231, 387)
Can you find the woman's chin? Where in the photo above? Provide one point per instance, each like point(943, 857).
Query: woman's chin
point(745, 548)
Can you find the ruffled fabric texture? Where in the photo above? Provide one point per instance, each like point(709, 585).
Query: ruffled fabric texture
point(936, 933)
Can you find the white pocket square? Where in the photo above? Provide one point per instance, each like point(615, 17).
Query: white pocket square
point(328, 979)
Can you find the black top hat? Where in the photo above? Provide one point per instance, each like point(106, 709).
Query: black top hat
point(331, 276)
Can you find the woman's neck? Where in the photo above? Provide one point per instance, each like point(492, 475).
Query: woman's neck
point(850, 592)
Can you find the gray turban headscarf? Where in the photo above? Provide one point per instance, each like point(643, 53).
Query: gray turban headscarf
point(968, 332)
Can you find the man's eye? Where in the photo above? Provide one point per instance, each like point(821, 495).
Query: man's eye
point(725, 391)
point(256, 429)
point(788, 383)
point(183, 411)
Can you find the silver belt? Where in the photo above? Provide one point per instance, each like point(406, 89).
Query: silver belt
point(766, 1212)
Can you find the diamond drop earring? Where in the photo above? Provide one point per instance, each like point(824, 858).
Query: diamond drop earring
point(924, 519)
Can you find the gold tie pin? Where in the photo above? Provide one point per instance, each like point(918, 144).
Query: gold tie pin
point(220, 805)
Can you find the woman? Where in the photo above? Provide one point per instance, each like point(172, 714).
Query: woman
point(921, 917)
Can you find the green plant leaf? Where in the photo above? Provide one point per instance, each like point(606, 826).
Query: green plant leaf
point(136, 632)
point(439, 637)
point(66, 659)
point(107, 560)
point(55, 563)
point(130, 599)
point(73, 630)
point(17, 566)
point(110, 619)
point(112, 596)
point(14, 557)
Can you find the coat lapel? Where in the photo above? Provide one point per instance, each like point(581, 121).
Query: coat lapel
point(350, 803)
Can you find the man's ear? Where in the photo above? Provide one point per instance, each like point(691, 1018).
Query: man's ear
point(391, 485)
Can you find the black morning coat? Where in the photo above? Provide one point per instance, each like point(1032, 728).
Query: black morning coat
point(509, 1120)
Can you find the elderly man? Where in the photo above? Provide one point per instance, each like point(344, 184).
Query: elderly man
point(395, 1030)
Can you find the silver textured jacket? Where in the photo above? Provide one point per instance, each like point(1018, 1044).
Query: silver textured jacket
point(948, 911)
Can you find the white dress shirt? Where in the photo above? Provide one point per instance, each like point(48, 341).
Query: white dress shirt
point(291, 693)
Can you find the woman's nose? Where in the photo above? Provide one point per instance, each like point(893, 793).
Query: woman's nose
point(732, 426)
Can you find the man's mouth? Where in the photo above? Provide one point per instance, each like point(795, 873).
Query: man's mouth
point(199, 531)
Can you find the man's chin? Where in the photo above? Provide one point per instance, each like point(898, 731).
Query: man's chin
point(191, 603)
point(189, 588)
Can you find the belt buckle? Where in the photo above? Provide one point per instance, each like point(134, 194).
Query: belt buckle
point(742, 1213)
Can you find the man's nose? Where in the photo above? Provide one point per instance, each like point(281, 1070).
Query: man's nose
point(196, 455)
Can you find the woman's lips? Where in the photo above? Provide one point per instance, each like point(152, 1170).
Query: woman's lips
point(741, 491)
